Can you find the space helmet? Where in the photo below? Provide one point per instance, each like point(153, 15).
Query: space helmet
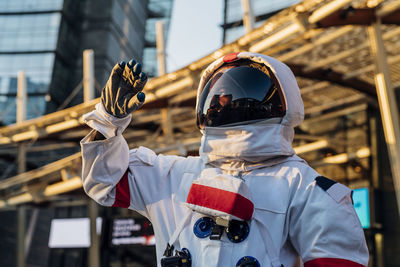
point(238, 90)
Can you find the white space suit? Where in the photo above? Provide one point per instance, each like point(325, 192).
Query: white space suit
point(299, 217)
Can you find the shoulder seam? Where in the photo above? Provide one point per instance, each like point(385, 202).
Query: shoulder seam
point(324, 182)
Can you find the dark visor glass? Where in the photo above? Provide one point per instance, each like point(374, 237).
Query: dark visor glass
point(238, 94)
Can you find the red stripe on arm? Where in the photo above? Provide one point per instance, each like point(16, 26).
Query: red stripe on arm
point(122, 195)
point(331, 262)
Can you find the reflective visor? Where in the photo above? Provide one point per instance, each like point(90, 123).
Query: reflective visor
point(236, 94)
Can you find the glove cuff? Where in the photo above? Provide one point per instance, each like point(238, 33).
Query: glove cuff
point(105, 123)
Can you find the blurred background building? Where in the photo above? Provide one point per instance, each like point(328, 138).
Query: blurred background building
point(46, 39)
point(233, 26)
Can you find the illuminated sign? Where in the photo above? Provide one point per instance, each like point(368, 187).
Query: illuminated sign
point(71, 232)
point(361, 205)
point(130, 231)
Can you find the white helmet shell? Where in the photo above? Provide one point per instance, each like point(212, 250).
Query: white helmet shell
point(291, 92)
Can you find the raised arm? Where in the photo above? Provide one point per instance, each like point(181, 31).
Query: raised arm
point(105, 152)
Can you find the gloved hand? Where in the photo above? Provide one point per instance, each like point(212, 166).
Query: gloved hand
point(126, 81)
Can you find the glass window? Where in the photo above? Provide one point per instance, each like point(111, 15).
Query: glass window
point(235, 9)
point(29, 32)
point(234, 33)
point(35, 108)
point(150, 61)
point(30, 5)
point(263, 7)
point(235, 14)
point(163, 7)
point(38, 69)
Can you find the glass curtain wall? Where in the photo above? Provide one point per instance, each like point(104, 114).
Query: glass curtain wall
point(28, 39)
point(233, 15)
point(157, 10)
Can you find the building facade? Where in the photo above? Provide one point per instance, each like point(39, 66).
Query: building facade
point(233, 15)
point(28, 41)
point(46, 39)
point(158, 10)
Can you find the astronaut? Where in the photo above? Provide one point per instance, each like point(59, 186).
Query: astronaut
point(247, 199)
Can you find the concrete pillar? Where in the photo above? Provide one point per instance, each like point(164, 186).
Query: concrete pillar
point(21, 97)
point(21, 157)
point(21, 116)
point(160, 47)
point(248, 15)
point(88, 75)
point(166, 122)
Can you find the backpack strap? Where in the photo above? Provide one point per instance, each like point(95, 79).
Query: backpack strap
point(272, 251)
point(170, 245)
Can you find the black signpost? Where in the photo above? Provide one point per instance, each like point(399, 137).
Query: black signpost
point(131, 231)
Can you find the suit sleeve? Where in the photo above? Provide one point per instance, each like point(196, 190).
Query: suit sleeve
point(323, 225)
point(115, 176)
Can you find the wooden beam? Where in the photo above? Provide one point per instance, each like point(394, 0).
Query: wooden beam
point(335, 78)
point(359, 16)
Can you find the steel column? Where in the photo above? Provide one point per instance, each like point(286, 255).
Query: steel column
point(380, 261)
point(21, 217)
point(94, 249)
point(387, 104)
point(31, 230)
